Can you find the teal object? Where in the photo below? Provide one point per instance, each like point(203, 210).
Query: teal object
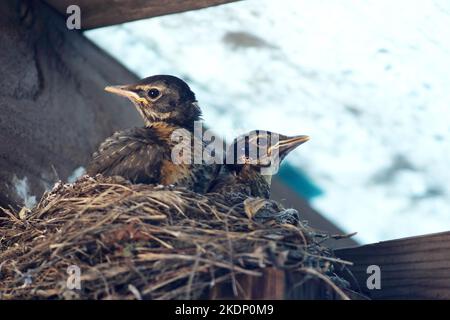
point(299, 181)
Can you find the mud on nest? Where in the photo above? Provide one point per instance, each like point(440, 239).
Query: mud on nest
point(151, 242)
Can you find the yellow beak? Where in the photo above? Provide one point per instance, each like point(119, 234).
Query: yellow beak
point(290, 143)
point(123, 91)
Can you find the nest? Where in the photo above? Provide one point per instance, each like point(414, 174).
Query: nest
point(151, 242)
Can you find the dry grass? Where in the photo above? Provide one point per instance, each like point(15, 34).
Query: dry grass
point(141, 241)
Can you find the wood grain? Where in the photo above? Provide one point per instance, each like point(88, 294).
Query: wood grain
point(100, 13)
point(270, 285)
point(276, 284)
point(411, 268)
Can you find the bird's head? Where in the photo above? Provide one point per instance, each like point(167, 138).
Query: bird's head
point(262, 150)
point(162, 98)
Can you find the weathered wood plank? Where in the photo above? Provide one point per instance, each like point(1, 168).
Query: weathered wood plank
point(276, 284)
point(100, 13)
point(271, 285)
point(53, 110)
point(411, 268)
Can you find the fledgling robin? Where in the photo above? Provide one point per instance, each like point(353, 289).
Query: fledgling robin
point(252, 153)
point(143, 155)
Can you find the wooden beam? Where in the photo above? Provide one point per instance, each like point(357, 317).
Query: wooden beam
point(101, 13)
point(411, 268)
point(276, 284)
point(54, 112)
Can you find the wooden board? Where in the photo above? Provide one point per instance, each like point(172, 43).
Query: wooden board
point(411, 268)
point(53, 110)
point(276, 284)
point(100, 13)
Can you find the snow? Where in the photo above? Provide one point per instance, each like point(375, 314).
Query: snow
point(367, 80)
point(23, 191)
point(77, 173)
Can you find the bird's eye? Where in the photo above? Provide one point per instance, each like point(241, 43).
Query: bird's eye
point(153, 93)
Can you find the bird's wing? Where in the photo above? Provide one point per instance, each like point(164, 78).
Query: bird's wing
point(224, 180)
point(129, 154)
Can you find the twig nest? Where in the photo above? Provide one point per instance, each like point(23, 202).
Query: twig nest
point(148, 242)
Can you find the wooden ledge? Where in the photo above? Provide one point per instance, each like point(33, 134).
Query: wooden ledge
point(410, 268)
point(101, 13)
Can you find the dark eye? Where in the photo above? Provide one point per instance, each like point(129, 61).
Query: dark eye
point(153, 93)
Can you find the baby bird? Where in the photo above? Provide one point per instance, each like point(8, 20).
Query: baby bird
point(252, 159)
point(144, 155)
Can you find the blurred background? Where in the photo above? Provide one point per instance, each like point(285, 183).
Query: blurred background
point(370, 86)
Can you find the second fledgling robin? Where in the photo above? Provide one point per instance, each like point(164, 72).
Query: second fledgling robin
point(144, 155)
point(254, 158)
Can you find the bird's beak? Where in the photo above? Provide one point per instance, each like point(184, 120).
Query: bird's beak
point(290, 143)
point(123, 91)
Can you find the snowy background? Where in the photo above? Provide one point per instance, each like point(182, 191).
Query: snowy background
point(369, 81)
